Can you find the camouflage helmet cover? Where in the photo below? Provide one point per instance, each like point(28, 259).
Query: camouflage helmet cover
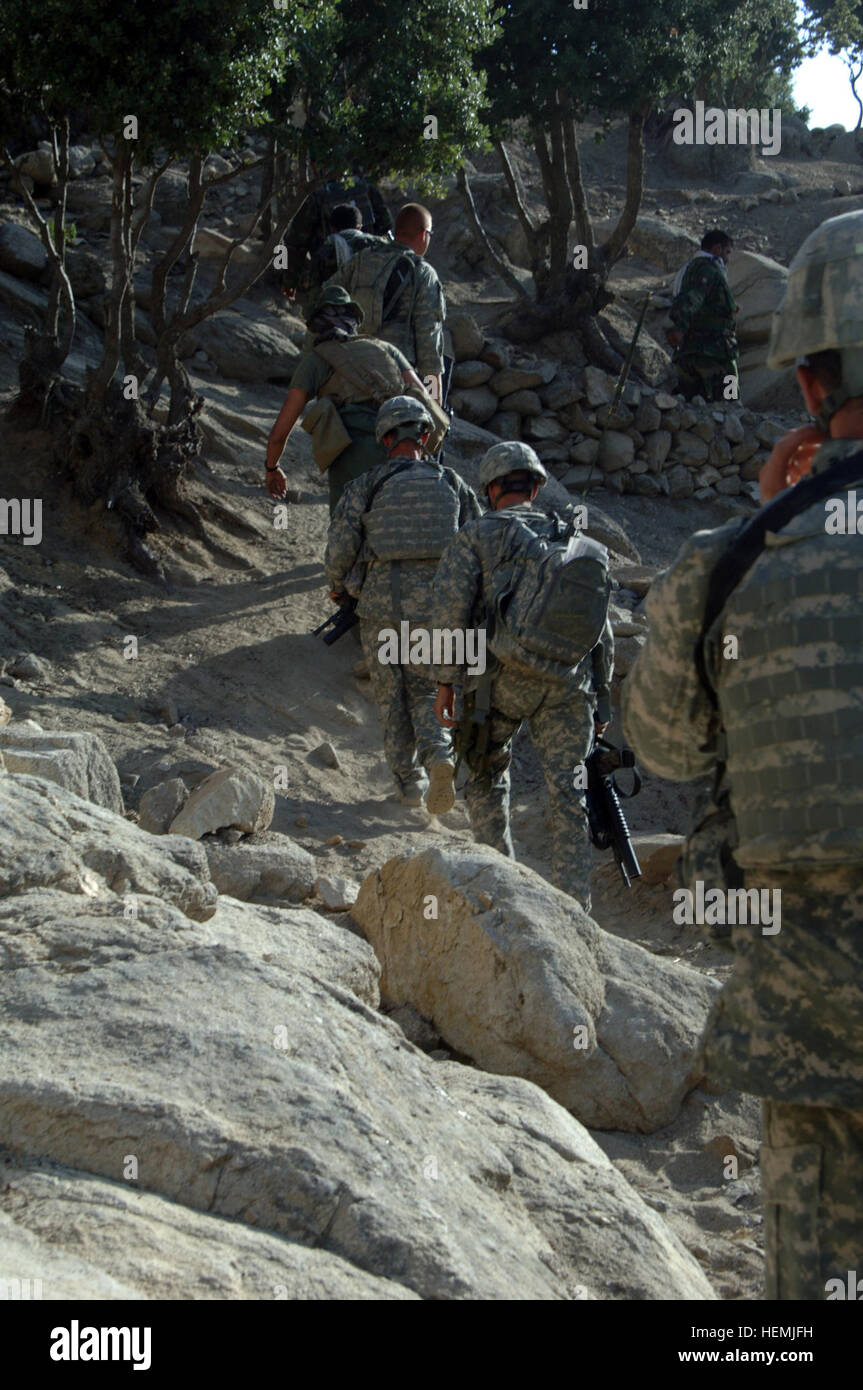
point(510, 457)
point(408, 417)
point(823, 303)
point(336, 296)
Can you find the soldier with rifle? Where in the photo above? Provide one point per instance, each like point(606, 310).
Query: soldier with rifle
point(541, 590)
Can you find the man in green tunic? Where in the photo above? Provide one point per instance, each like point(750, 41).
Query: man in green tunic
point(703, 315)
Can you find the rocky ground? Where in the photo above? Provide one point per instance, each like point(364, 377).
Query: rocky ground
point(223, 673)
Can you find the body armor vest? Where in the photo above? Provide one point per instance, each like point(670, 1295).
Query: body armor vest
point(414, 516)
point(791, 699)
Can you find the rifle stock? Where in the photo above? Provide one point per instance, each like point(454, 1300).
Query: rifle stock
point(341, 621)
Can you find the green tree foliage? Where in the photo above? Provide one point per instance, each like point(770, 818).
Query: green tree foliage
point(553, 65)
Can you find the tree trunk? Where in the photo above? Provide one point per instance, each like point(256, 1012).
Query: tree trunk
point(500, 265)
point(613, 249)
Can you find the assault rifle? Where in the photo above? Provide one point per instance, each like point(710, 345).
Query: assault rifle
point(341, 621)
point(608, 828)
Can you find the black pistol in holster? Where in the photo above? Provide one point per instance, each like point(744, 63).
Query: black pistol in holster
point(341, 621)
point(608, 828)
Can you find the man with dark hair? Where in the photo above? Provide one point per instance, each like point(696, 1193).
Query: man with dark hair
point(401, 295)
point(703, 313)
point(313, 224)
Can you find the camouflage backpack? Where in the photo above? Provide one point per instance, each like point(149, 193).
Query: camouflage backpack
point(549, 596)
point(383, 273)
point(337, 249)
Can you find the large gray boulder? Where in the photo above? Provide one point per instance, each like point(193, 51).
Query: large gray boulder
point(231, 797)
point(515, 975)
point(269, 872)
point(77, 761)
point(252, 1083)
point(758, 284)
point(246, 350)
point(21, 252)
point(69, 1229)
point(50, 838)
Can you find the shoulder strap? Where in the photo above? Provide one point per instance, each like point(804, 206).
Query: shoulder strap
point(337, 356)
point(401, 272)
point(399, 468)
point(750, 540)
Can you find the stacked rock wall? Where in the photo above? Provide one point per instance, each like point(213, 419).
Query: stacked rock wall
point(656, 444)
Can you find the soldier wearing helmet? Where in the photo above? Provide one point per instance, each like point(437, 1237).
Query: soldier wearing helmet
point(780, 729)
point(563, 707)
point(386, 536)
point(348, 378)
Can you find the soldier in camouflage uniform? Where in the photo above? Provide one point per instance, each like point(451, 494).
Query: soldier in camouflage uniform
point(415, 323)
point(367, 373)
point(703, 317)
point(312, 224)
point(563, 713)
point(386, 537)
point(786, 723)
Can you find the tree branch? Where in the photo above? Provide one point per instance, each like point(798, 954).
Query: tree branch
point(497, 261)
point(515, 190)
point(613, 249)
point(583, 224)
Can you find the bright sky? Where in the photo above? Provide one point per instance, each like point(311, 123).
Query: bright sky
point(822, 84)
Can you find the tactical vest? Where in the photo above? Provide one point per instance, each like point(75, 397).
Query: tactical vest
point(414, 515)
point(363, 371)
point(792, 699)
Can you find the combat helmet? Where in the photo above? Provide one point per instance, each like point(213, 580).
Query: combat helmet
point(510, 457)
point(404, 417)
point(823, 307)
point(336, 297)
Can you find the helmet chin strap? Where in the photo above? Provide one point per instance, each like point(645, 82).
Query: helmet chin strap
point(830, 406)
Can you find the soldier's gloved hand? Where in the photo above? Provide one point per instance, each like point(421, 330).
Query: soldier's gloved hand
point(444, 706)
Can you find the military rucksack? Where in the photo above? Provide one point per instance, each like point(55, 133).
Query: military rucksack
point(549, 596)
point(363, 370)
point(337, 249)
point(383, 274)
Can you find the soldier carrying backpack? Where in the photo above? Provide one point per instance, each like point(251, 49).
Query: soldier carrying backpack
point(321, 214)
point(348, 378)
point(400, 294)
point(541, 590)
point(385, 539)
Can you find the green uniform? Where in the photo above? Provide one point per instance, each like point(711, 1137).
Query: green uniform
point(357, 411)
point(704, 310)
point(788, 1025)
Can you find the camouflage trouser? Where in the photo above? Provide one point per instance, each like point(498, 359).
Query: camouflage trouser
point(698, 375)
point(812, 1187)
point(404, 695)
point(561, 727)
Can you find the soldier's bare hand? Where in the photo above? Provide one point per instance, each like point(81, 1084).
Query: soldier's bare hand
point(433, 385)
point(674, 337)
point(277, 483)
point(444, 706)
point(791, 458)
point(599, 728)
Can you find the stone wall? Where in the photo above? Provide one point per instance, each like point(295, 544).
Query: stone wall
point(656, 444)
